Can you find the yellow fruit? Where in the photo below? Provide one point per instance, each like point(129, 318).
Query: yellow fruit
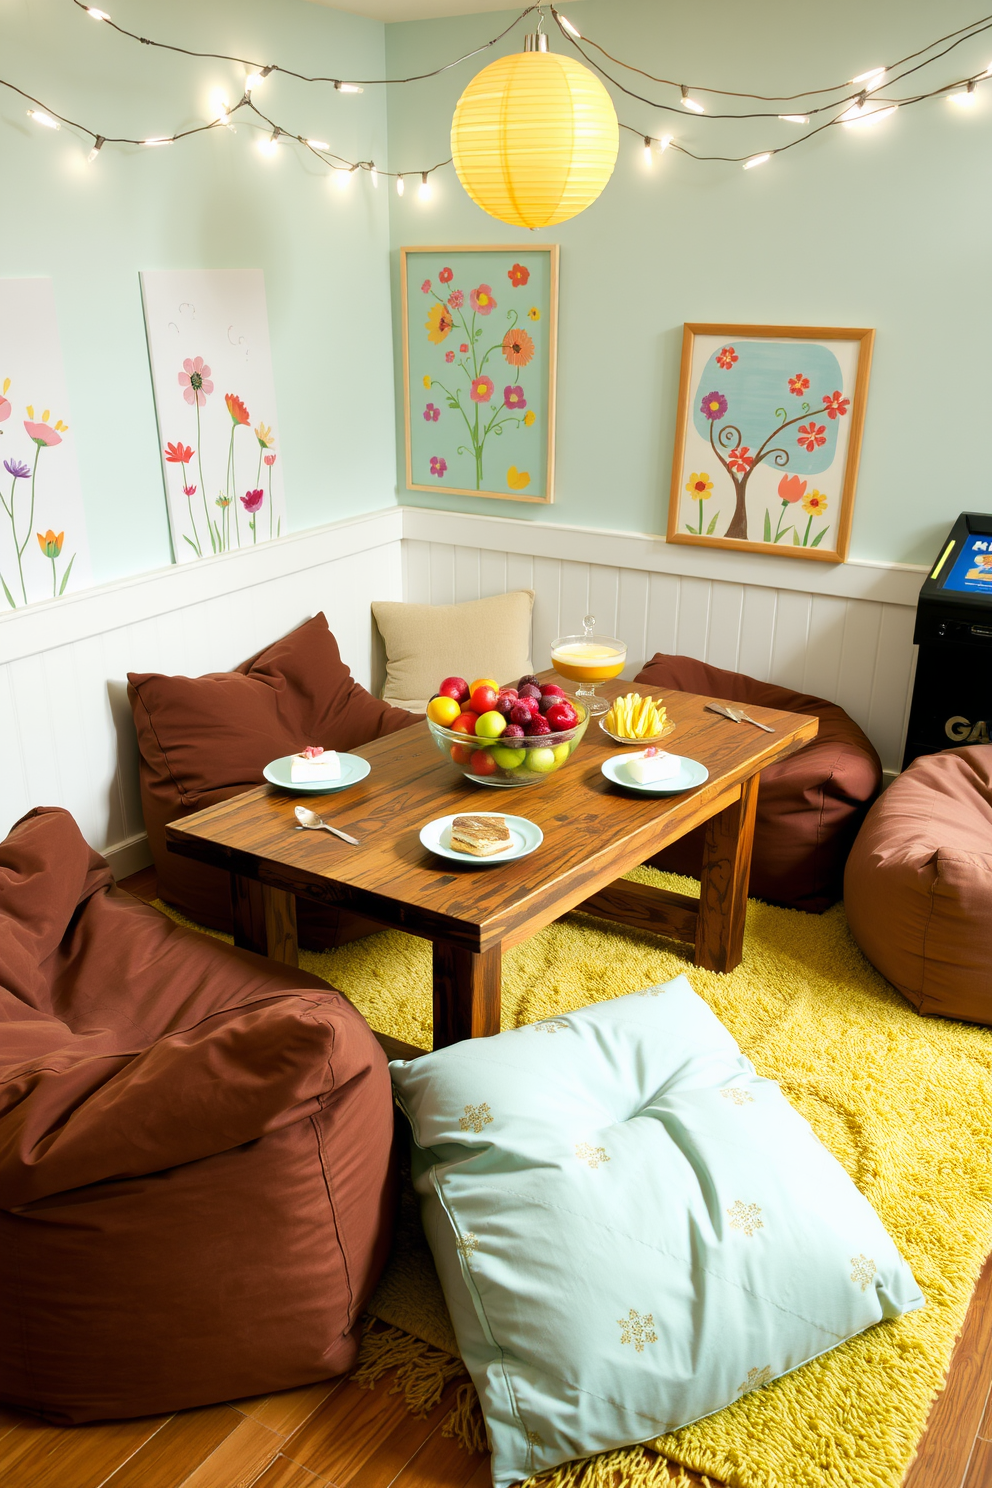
point(443, 710)
point(483, 682)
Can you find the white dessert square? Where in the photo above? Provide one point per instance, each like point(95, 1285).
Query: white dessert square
point(309, 767)
point(653, 765)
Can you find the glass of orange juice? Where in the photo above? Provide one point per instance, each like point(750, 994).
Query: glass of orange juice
point(587, 659)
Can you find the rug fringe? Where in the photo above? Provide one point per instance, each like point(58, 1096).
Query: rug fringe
point(465, 1422)
point(422, 1371)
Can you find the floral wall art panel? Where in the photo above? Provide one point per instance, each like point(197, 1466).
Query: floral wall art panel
point(479, 347)
point(208, 342)
point(43, 548)
point(768, 438)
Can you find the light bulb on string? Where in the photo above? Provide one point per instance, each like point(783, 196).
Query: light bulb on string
point(40, 117)
point(691, 103)
point(794, 118)
point(861, 115)
point(98, 145)
point(255, 78)
point(98, 15)
point(158, 140)
point(374, 174)
point(647, 149)
point(570, 28)
point(222, 111)
point(400, 186)
point(348, 88)
point(271, 145)
point(424, 189)
point(664, 142)
point(870, 80)
point(757, 160)
point(344, 177)
point(966, 99)
point(316, 144)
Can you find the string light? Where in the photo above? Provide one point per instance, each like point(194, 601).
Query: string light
point(159, 140)
point(253, 79)
point(691, 103)
point(965, 99)
point(400, 186)
point(757, 160)
point(374, 174)
point(40, 117)
point(348, 88)
point(318, 144)
point(424, 189)
point(870, 80)
point(98, 145)
point(794, 118)
point(98, 15)
point(860, 115)
point(570, 28)
point(664, 142)
point(647, 149)
point(271, 145)
point(344, 177)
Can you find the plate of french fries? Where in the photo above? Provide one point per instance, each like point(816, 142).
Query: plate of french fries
point(633, 719)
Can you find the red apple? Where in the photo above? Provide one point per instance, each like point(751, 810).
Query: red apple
point(551, 689)
point(482, 762)
point(562, 716)
point(461, 753)
point(454, 687)
point(483, 699)
point(465, 723)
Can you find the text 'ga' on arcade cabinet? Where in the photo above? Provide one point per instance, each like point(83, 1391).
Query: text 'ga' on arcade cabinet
point(952, 696)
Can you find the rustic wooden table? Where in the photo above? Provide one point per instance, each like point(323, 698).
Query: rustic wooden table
point(593, 833)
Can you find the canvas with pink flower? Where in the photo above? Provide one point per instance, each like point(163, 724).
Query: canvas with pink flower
point(23, 509)
point(484, 373)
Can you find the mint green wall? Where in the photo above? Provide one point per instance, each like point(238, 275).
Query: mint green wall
point(210, 202)
point(887, 227)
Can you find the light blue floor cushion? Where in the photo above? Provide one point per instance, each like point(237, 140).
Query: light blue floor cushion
point(631, 1227)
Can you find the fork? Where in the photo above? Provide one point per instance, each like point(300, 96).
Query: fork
point(739, 716)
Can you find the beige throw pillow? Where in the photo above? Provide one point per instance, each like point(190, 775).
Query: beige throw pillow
point(426, 643)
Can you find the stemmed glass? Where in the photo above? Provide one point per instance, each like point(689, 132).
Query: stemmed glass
point(588, 659)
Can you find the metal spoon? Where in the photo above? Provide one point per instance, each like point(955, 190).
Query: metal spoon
point(737, 715)
point(310, 821)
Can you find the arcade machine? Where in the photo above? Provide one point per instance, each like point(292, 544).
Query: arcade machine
point(952, 696)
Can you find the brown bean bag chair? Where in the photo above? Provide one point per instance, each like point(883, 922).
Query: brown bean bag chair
point(203, 739)
point(809, 805)
point(195, 1178)
point(918, 885)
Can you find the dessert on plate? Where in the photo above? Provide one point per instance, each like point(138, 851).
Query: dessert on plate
point(653, 765)
point(314, 764)
point(481, 835)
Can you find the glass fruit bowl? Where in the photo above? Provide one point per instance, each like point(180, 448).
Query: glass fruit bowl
point(495, 762)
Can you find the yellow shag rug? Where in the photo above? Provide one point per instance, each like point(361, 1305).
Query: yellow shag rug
point(904, 1103)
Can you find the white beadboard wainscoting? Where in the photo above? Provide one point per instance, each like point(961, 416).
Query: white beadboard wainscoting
point(66, 732)
point(843, 632)
point(66, 735)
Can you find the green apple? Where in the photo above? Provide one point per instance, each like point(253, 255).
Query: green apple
point(561, 753)
point(489, 725)
point(541, 759)
point(507, 758)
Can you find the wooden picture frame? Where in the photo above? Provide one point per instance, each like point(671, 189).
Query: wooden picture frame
point(807, 383)
point(480, 327)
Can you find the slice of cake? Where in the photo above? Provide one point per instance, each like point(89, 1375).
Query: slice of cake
point(314, 764)
point(481, 835)
point(653, 765)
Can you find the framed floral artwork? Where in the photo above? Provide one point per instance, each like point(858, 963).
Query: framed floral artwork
point(479, 346)
point(768, 438)
point(208, 344)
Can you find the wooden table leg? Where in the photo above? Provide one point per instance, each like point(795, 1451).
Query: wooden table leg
point(723, 889)
point(466, 993)
point(264, 920)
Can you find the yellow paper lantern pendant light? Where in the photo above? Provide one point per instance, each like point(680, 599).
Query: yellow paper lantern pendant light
point(535, 137)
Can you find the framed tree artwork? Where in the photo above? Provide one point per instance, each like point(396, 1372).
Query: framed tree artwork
point(768, 438)
point(479, 346)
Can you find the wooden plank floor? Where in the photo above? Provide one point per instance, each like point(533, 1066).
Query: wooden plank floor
point(334, 1435)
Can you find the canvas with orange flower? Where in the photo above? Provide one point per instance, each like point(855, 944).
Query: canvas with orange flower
point(768, 438)
point(43, 548)
point(479, 363)
point(208, 340)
